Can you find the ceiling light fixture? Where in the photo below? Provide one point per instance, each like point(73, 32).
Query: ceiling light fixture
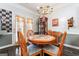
point(44, 10)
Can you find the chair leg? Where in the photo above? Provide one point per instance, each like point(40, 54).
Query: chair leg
point(42, 53)
point(62, 54)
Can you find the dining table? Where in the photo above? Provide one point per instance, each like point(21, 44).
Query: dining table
point(42, 39)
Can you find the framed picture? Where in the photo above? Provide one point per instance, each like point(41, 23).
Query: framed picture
point(55, 22)
point(5, 20)
point(70, 22)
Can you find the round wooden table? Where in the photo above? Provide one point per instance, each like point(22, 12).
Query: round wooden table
point(42, 39)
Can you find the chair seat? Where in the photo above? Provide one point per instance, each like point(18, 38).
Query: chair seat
point(51, 49)
point(33, 49)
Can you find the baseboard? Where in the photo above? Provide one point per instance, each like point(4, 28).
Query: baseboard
point(71, 46)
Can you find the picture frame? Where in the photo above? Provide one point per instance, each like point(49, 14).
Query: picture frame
point(55, 22)
point(70, 22)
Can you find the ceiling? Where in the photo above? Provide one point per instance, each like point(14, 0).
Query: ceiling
point(33, 6)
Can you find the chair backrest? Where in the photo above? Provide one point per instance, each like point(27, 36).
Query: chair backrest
point(22, 43)
point(57, 35)
point(29, 33)
point(62, 43)
point(49, 32)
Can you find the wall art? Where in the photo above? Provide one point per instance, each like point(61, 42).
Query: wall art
point(55, 22)
point(70, 22)
point(6, 20)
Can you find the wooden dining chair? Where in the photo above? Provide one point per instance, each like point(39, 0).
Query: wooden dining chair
point(49, 32)
point(29, 35)
point(53, 50)
point(57, 36)
point(25, 50)
point(22, 43)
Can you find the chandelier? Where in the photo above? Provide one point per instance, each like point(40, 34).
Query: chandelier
point(44, 10)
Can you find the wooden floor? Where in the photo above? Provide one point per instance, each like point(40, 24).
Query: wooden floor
point(67, 52)
point(70, 52)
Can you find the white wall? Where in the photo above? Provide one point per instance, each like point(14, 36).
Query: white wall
point(17, 10)
point(63, 14)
